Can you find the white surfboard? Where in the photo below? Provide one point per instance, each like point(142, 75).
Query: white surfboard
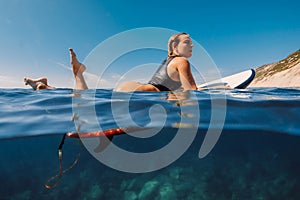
point(236, 81)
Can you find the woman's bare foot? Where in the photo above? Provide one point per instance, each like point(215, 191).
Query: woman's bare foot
point(78, 70)
point(77, 67)
point(37, 84)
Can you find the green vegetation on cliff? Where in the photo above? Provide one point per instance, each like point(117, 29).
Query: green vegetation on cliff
point(271, 69)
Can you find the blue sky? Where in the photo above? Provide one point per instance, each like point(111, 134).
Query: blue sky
point(35, 35)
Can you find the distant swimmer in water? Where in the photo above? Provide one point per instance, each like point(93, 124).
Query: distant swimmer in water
point(174, 73)
point(38, 84)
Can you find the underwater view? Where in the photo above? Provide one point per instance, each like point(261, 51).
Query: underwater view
point(255, 154)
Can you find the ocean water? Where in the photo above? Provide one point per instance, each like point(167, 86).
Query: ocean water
point(255, 155)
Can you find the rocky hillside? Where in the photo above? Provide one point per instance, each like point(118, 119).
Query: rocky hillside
point(285, 73)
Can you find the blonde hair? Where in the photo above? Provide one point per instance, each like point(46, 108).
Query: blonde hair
point(174, 40)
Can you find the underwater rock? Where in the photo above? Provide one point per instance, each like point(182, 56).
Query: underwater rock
point(184, 186)
point(127, 184)
point(166, 192)
point(95, 192)
point(83, 174)
point(130, 195)
point(175, 173)
point(148, 190)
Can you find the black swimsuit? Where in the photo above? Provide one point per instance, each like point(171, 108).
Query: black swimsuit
point(161, 79)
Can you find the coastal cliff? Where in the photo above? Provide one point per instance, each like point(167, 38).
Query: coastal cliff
point(285, 73)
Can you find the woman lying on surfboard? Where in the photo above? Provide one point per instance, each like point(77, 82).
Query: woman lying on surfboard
point(174, 73)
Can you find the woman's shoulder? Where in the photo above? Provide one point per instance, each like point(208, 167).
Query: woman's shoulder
point(179, 60)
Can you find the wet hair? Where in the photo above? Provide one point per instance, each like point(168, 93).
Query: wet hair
point(174, 39)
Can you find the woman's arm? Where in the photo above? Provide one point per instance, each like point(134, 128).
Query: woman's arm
point(185, 74)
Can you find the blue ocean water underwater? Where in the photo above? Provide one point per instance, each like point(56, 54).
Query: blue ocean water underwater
point(256, 156)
